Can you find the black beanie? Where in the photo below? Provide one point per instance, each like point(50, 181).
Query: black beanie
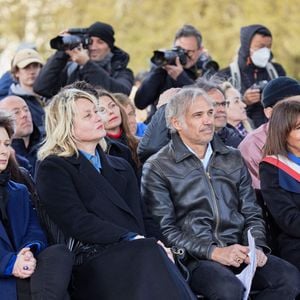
point(104, 31)
point(278, 89)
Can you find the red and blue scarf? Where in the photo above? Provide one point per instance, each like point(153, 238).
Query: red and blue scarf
point(288, 171)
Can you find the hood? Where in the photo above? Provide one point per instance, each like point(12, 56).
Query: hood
point(16, 89)
point(246, 35)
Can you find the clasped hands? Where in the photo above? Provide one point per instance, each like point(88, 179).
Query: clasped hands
point(236, 254)
point(25, 264)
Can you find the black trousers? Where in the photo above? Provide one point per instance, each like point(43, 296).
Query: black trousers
point(276, 280)
point(52, 276)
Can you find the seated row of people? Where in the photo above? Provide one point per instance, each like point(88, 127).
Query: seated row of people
point(102, 214)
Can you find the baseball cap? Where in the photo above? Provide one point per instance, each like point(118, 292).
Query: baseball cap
point(25, 57)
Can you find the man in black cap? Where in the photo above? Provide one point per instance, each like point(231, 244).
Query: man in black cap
point(252, 146)
point(253, 68)
point(102, 65)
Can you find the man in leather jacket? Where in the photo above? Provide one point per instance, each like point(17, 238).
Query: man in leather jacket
point(199, 193)
point(102, 64)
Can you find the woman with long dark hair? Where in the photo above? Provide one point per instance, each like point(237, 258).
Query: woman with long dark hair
point(21, 237)
point(280, 176)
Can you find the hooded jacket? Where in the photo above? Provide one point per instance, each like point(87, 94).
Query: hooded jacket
point(58, 71)
point(250, 73)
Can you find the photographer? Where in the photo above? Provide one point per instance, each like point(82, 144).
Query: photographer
point(253, 68)
point(95, 60)
point(178, 73)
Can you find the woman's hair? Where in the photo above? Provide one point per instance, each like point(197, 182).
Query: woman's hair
point(226, 85)
point(124, 100)
point(59, 123)
point(132, 141)
point(7, 121)
point(283, 120)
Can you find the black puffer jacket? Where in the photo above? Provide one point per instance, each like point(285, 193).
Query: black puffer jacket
point(198, 209)
point(251, 74)
point(58, 72)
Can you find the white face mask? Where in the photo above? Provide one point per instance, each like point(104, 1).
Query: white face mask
point(261, 57)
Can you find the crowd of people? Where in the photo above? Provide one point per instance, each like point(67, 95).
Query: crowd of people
point(95, 204)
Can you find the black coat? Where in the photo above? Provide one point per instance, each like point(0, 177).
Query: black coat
point(101, 210)
point(57, 73)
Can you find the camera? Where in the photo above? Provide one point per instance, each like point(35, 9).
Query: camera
point(207, 65)
point(161, 58)
point(260, 85)
point(68, 42)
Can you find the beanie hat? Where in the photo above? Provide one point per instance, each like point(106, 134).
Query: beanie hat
point(104, 31)
point(278, 89)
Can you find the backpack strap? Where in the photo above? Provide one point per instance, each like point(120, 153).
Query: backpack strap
point(271, 70)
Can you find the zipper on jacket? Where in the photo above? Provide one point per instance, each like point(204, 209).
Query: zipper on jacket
point(216, 208)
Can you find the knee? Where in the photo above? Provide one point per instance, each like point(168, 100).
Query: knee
point(231, 290)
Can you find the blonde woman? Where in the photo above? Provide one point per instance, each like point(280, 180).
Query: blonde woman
point(236, 109)
point(95, 199)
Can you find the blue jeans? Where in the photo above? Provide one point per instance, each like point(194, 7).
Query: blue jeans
point(277, 279)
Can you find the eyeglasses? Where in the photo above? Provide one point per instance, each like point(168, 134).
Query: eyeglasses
point(223, 104)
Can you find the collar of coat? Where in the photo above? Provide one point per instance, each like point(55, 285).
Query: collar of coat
point(181, 152)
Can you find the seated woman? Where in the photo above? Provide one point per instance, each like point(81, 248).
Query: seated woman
point(95, 199)
point(236, 109)
point(116, 124)
point(21, 237)
point(136, 128)
point(280, 176)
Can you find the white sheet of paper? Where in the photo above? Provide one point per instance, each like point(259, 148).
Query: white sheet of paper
point(247, 274)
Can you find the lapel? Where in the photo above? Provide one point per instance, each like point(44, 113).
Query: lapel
point(107, 183)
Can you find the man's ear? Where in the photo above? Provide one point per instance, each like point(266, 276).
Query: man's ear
point(176, 123)
point(268, 112)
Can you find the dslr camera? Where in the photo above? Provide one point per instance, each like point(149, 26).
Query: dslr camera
point(76, 37)
point(161, 58)
point(260, 85)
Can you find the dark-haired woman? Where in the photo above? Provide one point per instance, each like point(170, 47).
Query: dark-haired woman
point(21, 237)
point(280, 176)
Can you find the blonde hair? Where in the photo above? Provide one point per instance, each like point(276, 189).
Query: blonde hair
point(59, 139)
point(226, 85)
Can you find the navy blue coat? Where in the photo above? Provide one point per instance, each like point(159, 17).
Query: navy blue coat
point(26, 230)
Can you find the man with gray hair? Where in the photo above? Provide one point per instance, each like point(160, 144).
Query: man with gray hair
point(199, 193)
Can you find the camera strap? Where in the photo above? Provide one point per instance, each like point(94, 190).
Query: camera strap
point(236, 74)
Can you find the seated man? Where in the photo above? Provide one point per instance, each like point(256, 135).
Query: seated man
point(199, 192)
point(157, 134)
point(27, 137)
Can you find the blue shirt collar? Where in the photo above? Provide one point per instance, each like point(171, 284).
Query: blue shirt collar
point(93, 159)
